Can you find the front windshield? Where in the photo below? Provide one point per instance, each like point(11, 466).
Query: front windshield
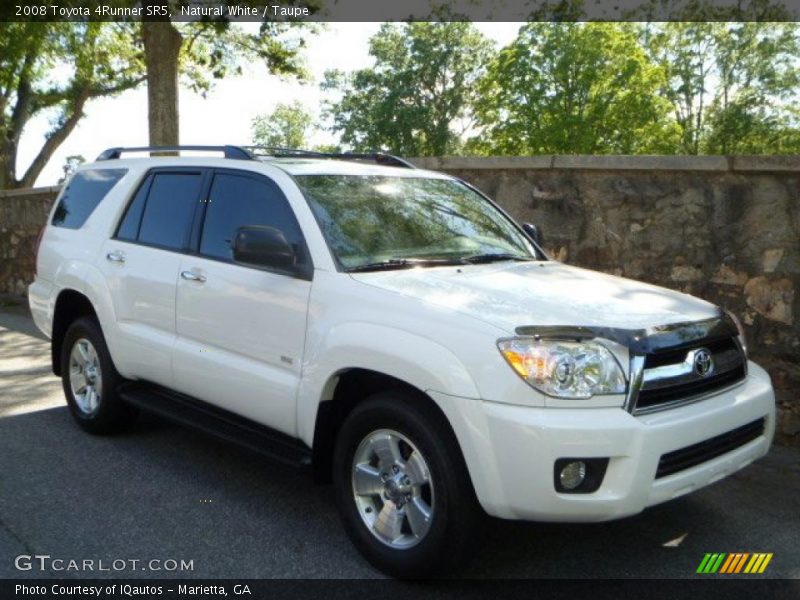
point(370, 220)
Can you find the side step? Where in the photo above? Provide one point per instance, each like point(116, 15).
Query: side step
point(217, 422)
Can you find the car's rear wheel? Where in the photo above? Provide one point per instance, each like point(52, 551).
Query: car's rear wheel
point(90, 380)
point(402, 487)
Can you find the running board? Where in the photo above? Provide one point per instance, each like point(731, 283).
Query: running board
point(217, 422)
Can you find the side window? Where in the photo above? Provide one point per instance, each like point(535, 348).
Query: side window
point(82, 195)
point(129, 227)
point(237, 201)
point(169, 209)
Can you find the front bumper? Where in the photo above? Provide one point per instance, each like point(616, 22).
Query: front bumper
point(510, 450)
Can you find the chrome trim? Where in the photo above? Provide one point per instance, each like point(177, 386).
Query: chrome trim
point(684, 372)
point(191, 276)
point(635, 380)
point(673, 371)
point(740, 345)
point(666, 376)
point(687, 400)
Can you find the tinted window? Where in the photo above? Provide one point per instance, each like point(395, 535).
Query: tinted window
point(129, 228)
point(169, 209)
point(237, 201)
point(82, 195)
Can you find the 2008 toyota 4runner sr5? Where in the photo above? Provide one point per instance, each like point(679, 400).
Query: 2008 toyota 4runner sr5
point(397, 331)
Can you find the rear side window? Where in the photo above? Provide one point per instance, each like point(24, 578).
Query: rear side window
point(129, 228)
point(82, 195)
point(167, 213)
point(238, 201)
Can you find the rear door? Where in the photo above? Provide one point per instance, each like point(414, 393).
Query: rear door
point(241, 329)
point(141, 264)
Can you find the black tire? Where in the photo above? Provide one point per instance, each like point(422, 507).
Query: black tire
point(456, 518)
point(111, 414)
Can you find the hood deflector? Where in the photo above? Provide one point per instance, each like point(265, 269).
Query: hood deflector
point(642, 341)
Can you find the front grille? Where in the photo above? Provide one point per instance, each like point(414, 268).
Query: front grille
point(690, 456)
point(676, 355)
point(655, 397)
point(669, 377)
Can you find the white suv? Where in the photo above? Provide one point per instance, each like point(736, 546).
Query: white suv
point(396, 331)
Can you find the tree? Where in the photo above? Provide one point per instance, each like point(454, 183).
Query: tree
point(55, 69)
point(419, 97)
point(71, 163)
point(573, 88)
point(211, 46)
point(287, 126)
point(733, 86)
point(162, 45)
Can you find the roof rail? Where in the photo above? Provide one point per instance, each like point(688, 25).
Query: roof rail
point(229, 151)
point(251, 152)
point(377, 157)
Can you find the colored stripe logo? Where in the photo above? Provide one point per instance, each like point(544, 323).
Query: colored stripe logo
point(733, 563)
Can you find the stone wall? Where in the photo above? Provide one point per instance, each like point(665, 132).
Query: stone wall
point(723, 229)
point(726, 229)
point(22, 215)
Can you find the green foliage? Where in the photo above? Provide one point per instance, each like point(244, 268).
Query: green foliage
point(419, 96)
point(708, 10)
point(733, 86)
point(691, 87)
point(213, 50)
point(288, 126)
point(54, 69)
point(328, 148)
point(586, 88)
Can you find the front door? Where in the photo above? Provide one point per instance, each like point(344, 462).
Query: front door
point(241, 329)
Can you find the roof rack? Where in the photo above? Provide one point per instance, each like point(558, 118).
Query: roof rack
point(252, 153)
point(229, 151)
point(380, 158)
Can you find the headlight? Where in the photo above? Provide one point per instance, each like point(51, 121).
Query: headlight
point(564, 369)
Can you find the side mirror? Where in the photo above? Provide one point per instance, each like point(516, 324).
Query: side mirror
point(533, 232)
point(263, 246)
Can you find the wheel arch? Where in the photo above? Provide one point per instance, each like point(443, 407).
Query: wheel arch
point(351, 387)
point(70, 305)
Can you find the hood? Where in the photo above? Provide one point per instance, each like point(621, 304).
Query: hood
point(514, 294)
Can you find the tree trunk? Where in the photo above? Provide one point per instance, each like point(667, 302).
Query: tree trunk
point(55, 138)
point(162, 45)
point(6, 172)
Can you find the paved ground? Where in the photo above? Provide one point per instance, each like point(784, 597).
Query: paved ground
point(161, 492)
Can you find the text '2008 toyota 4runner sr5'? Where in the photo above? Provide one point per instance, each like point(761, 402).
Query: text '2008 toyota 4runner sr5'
point(397, 331)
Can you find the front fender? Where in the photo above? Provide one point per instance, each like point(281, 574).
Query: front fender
point(414, 359)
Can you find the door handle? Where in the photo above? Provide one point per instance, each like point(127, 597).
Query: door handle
point(116, 256)
point(191, 276)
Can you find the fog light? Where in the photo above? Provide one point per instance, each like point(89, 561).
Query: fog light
point(572, 475)
point(577, 475)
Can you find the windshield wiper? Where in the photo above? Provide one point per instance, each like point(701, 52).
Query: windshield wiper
point(405, 263)
point(495, 257)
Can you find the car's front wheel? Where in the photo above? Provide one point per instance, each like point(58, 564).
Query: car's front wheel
point(402, 487)
point(90, 380)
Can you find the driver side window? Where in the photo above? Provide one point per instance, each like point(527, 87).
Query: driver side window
point(243, 200)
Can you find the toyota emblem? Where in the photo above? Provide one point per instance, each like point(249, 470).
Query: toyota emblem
point(703, 362)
